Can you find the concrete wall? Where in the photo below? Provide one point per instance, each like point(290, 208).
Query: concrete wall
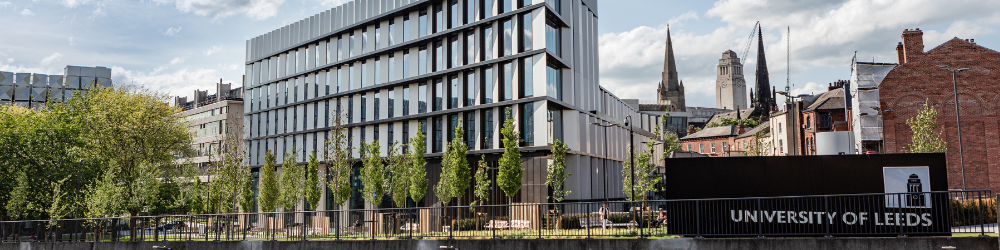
point(682, 243)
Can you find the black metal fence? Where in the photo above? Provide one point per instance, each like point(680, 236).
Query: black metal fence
point(914, 214)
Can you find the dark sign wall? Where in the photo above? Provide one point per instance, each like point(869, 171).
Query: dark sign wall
point(770, 176)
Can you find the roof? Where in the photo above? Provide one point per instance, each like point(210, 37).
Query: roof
point(833, 99)
point(721, 131)
point(744, 113)
point(753, 131)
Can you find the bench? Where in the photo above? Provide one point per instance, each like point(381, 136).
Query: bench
point(598, 222)
point(496, 224)
point(520, 224)
point(410, 227)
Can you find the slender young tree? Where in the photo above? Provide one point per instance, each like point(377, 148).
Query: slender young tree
point(313, 187)
point(291, 181)
point(418, 166)
point(373, 174)
point(338, 161)
point(510, 174)
point(557, 174)
point(270, 193)
point(483, 183)
point(455, 177)
point(645, 175)
point(399, 175)
point(926, 138)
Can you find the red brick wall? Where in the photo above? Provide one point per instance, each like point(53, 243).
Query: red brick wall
point(906, 88)
point(719, 150)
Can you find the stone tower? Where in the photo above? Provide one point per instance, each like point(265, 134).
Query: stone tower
point(763, 103)
point(670, 91)
point(730, 87)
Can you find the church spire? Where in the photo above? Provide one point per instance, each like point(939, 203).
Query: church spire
point(670, 89)
point(762, 101)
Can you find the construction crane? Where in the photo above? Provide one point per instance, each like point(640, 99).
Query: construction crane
point(746, 49)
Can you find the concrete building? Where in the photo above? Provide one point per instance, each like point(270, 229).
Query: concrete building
point(36, 90)
point(918, 80)
point(391, 65)
point(210, 118)
point(730, 87)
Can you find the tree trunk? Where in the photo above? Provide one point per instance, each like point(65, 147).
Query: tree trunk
point(132, 221)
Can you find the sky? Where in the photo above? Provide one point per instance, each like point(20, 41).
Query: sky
point(177, 46)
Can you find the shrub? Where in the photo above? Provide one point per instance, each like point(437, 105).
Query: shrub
point(966, 211)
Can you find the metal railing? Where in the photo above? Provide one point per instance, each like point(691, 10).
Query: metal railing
point(912, 214)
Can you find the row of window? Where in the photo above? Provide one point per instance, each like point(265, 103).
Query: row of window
point(209, 129)
point(209, 113)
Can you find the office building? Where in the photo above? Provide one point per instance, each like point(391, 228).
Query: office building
point(36, 90)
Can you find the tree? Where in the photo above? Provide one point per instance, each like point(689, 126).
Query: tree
point(645, 175)
point(671, 142)
point(455, 175)
point(134, 135)
point(418, 166)
point(509, 176)
point(48, 145)
point(483, 182)
point(399, 175)
point(556, 172)
point(246, 195)
point(291, 181)
point(726, 121)
point(227, 171)
point(338, 161)
point(373, 173)
point(926, 138)
point(760, 144)
point(270, 194)
point(313, 187)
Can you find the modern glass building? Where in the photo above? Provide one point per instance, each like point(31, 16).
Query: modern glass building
point(388, 65)
point(37, 90)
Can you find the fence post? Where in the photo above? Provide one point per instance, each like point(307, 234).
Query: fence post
point(826, 210)
point(588, 221)
point(760, 223)
point(899, 207)
point(337, 222)
point(541, 214)
point(493, 232)
point(642, 217)
point(697, 218)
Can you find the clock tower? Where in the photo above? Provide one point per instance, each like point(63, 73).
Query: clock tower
point(730, 87)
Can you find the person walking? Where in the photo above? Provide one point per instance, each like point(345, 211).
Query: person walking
point(605, 214)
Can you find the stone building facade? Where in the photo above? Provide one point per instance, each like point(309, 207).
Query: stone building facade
point(730, 86)
point(918, 80)
point(670, 91)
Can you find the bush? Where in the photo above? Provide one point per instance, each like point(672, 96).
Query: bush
point(966, 212)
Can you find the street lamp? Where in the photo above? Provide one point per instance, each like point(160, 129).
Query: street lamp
point(958, 117)
point(631, 152)
point(605, 165)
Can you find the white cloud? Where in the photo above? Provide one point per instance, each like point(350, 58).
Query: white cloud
point(52, 58)
point(810, 88)
point(5, 4)
point(71, 43)
point(213, 50)
point(74, 3)
point(683, 17)
point(172, 31)
point(177, 60)
point(333, 2)
point(181, 82)
point(256, 9)
point(27, 12)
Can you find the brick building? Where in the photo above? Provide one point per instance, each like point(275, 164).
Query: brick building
point(825, 114)
point(918, 79)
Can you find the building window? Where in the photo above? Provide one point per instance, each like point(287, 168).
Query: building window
point(438, 56)
point(406, 65)
point(437, 134)
point(486, 42)
point(825, 121)
point(350, 109)
point(406, 136)
point(406, 100)
point(526, 32)
point(438, 94)
point(553, 38)
point(526, 80)
point(340, 73)
point(364, 41)
point(422, 60)
point(453, 14)
point(375, 106)
point(350, 73)
point(406, 28)
point(326, 114)
point(508, 32)
point(392, 27)
point(423, 24)
point(389, 139)
point(350, 50)
point(470, 8)
point(378, 72)
point(454, 52)
point(327, 83)
point(422, 98)
point(487, 85)
point(486, 10)
point(724, 148)
point(378, 36)
point(555, 5)
point(454, 92)
point(392, 68)
point(364, 108)
point(701, 148)
point(470, 129)
point(364, 74)
point(438, 18)
point(487, 124)
point(689, 147)
point(508, 81)
point(528, 123)
point(452, 124)
point(470, 88)
point(391, 103)
point(553, 82)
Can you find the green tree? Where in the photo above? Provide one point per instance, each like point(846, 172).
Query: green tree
point(418, 166)
point(134, 135)
point(510, 174)
point(926, 138)
point(338, 160)
point(291, 181)
point(455, 177)
point(483, 182)
point(671, 142)
point(645, 175)
point(313, 187)
point(399, 174)
point(227, 172)
point(373, 174)
point(726, 121)
point(246, 195)
point(556, 172)
point(760, 144)
point(270, 193)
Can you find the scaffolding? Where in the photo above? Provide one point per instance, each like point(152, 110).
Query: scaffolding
point(865, 108)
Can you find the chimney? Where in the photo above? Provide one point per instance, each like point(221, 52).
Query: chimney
point(690, 130)
point(899, 53)
point(740, 129)
point(913, 44)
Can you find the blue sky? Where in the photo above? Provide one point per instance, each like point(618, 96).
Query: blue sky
point(178, 46)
